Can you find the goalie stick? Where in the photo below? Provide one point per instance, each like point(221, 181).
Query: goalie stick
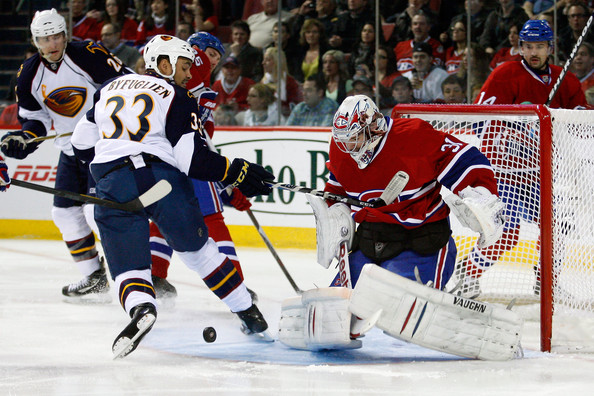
point(569, 61)
point(155, 193)
point(273, 251)
point(392, 190)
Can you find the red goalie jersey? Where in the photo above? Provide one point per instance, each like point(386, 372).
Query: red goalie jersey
point(431, 158)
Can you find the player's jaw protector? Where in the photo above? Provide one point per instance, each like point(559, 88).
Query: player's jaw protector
point(358, 127)
point(48, 23)
point(169, 46)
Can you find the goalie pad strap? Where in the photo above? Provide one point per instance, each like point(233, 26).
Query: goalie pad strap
point(317, 320)
point(431, 318)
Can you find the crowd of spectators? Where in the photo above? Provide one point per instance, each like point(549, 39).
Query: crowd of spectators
point(328, 48)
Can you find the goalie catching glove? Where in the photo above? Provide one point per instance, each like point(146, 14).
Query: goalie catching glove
point(14, 144)
point(248, 178)
point(479, 210)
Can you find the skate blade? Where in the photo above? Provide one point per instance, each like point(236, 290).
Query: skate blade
point(125, 345)
point(263, 336)
point(89, 299)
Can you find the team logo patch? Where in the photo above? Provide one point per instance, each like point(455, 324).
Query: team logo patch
point(66, 101)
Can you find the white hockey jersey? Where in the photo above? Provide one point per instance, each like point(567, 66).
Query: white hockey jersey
point(60, 94)
point(136, 114)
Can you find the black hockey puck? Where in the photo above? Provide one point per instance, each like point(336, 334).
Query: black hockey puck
point(209, 334)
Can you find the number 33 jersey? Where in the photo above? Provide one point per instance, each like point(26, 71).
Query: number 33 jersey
point(136, 114)
point(60, 94)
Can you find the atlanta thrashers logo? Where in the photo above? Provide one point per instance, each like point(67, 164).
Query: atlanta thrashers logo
point(66, 101)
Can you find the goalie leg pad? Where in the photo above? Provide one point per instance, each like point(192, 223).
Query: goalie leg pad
point(431, 318)
point(318, 320)
point(334, 225)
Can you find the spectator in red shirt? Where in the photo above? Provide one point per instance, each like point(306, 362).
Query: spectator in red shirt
point(454, 54)
point(83, 26)
point(115, 12)
point(421, 25)
point(512, 53)
point(160, 21)
point(233, 88)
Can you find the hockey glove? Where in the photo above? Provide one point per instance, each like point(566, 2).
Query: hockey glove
point(481, 211)
point(4, 178)
point(14, 144)
point(248, 178)
point(239, 201)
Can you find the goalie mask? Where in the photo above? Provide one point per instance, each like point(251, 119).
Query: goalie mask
point(358, 127)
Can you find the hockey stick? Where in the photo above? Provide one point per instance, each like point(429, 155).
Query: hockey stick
point(569, 61)
point(42, 138)
point(273, 251)
point(155, 193)
point(392, 190)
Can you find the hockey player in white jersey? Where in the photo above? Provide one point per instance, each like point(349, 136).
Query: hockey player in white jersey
point(56, 87)
point(142, 129)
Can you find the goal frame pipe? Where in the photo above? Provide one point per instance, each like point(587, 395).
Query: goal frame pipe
point(546, 190)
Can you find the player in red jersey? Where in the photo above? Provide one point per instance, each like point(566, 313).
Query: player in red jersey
point(532, 78)
point(366, 151)
point(4, 178)
point(527, 81)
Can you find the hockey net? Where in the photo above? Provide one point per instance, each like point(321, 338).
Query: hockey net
point(544, 164)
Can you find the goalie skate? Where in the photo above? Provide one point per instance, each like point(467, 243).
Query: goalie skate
point(92, 289)
point(143, 318)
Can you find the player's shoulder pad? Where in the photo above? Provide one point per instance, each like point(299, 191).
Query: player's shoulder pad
point(183, 97)
point(94, 58)
point(27, 69)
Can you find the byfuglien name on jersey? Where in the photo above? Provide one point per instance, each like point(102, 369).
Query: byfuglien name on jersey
point(124, 83)
point(469, 304)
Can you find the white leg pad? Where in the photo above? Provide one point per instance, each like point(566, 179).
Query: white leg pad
point(317, 320)
point(434, 319)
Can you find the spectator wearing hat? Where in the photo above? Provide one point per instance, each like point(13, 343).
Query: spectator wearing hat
point(316, 109)
point(402, 91)
point(425, 77)
point(232, 88)
point(362, 86)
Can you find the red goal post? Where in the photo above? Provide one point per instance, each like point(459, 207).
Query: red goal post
point(541, 157)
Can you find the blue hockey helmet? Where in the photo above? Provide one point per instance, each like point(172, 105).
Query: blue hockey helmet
point(203, 40)
point(536, 30)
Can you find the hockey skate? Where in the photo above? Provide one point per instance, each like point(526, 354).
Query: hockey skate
point(143, 318)
point(253, 295)
point(163, 288)
point(253, 323)
point(92, 289)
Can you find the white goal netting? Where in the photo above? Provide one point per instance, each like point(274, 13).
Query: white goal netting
point(511, 269)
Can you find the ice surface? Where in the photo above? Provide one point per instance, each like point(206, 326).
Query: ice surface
point(48, 347)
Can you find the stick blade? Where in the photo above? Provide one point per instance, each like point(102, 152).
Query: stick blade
point(395, 187)
point(155, 193)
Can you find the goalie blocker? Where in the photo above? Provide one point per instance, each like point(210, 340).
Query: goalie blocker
point(327, 318)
